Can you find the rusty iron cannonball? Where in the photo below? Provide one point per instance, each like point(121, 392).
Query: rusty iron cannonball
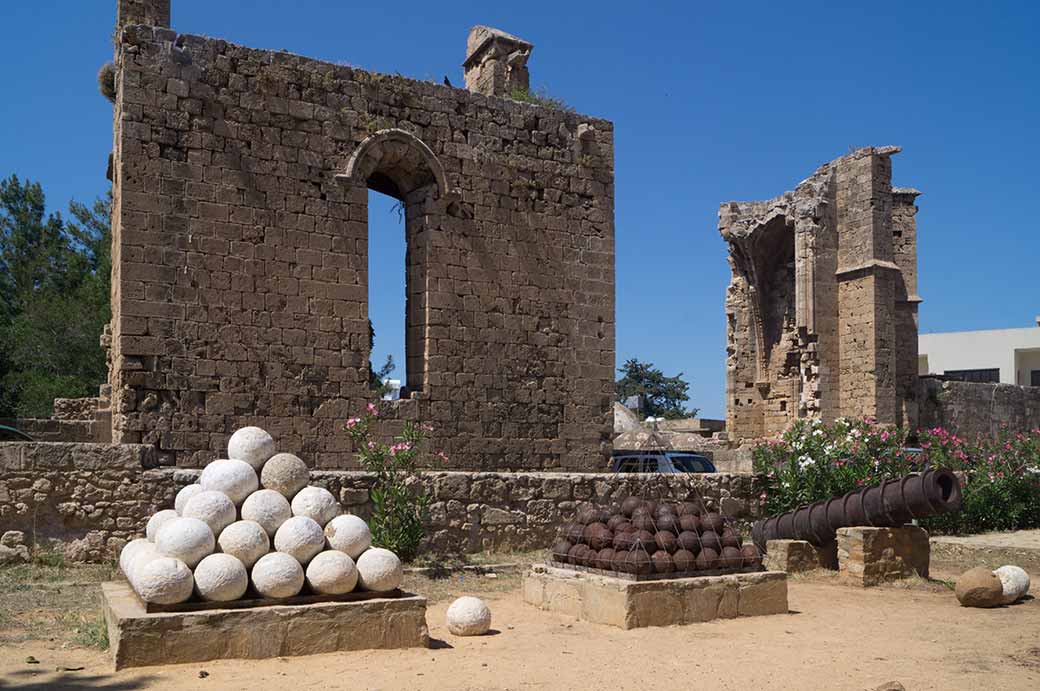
point(638, 562)
point(665, 507)
point(623, 541)
point(713, 521)
point(629, 505)
point(600, 537)
point(643, 521)
point(710, 540)
point(752, 557)
point(689, 541)
point(684, 560)
point(589, 530)
point(730, 538)
point(560, 550)
point(690, 522)
point(669, 522)
point(651, 506)
point(572, 533)
point(619, 563)
point(666, 541)
point(617, 519)
point(645, 541)
point(624, 527)
point(730, 558)
point(662, 562)
point(688, 508)
point(576, 555)
point(605, 559)
point(707, 559)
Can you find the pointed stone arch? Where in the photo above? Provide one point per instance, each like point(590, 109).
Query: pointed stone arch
point(396, 163)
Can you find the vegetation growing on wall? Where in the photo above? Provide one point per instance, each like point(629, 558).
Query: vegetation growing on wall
point(54, 299)
point(815, 460)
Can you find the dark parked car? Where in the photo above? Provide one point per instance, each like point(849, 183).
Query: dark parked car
point(660, 462)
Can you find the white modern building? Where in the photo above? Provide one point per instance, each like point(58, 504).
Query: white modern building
point(1006, 356)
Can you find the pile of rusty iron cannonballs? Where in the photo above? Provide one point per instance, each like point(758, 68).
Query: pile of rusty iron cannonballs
point(646, 537)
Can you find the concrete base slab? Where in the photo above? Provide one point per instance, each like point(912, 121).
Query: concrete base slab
point(633, 604)
point(139, 639)
point(868, 556)
point(797, 556)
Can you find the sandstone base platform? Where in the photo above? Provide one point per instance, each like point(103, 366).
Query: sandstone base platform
point(869, 556)
point(139, 639)
point(633, 604)
point(798, 556)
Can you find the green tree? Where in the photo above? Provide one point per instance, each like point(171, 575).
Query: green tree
point(376, 376)
point(54, 299)
point(662, 396)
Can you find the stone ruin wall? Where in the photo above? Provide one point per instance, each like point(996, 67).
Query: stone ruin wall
point(240, 238)
point(822, 306)
point(92, 498)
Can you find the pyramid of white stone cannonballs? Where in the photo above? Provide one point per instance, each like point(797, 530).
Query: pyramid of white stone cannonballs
point(253, 523)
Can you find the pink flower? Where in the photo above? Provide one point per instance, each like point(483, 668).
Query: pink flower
point(400, 447)
point(426, 427)
point(442, 456)
point(372, 410)
point(353, 422)
point(371, 446)
point(884, 436)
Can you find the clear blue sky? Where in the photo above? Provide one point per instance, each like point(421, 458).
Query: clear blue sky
point(711, 102)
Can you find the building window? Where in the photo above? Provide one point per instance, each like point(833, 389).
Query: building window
point(981, 376)
point(1034, 378)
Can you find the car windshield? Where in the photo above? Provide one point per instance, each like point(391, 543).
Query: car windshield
point(689, 464)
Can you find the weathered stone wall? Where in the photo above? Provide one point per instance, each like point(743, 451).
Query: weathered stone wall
point(96, 496)
point(822, 307)
point(240, 257)
point(978, 409)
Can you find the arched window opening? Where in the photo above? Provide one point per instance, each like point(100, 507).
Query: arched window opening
point(387, 302)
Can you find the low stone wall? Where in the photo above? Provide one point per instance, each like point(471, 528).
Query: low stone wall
point(94, 497)
point(978, 409)
point(54, 429)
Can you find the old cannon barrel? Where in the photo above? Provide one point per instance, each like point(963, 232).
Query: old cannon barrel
point(890, 504)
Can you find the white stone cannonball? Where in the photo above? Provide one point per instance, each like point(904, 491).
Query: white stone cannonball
point(300, 537)
point(244, 540)
point(348, 533)
point(221, 578)
point(158, 520)
point(164, 581)
point(379, 570)
point(316, 503)
point(268, 508)
point(469, 616)
point(187, 539)
point(1015, 582)
point(285, 473)
point(277, 575)
point(212, 508)
point(252, 445)
point(235, 478)
point(131, 550)
point(331, 573)
point(186, 493)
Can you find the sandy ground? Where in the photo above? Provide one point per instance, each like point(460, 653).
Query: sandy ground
point(835, 637)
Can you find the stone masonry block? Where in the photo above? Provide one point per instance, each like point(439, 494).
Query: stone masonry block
point(797, 556)
point(869, 556)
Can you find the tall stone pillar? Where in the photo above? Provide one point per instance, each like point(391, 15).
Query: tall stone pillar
point(150, 12)
point(904, 245)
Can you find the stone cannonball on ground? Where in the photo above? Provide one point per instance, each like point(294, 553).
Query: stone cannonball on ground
point(158, 520)
point(979, 587)
point(469, 616)
point(277, 575)
point(1014, 581)
point(187, 539)
point(379, 570)
point(221, 578)
point(143, 556)
point(212, 508)
point(244, 540)
point(252, 445)
point(349, 533)
point(164, 581)
point(186, 493)
point(235, 478)
point(300, 537)
point(268, 508)
point(286, 474)
point(332, 573)
point(316, 503)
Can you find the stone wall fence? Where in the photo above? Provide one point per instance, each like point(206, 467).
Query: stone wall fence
point(94, 497)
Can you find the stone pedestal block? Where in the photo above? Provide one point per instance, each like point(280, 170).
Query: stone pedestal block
point(633, 604)
point(797, 556)
point(139, 639)
point(869, 556)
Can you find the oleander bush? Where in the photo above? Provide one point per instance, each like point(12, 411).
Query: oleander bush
point(815, 460)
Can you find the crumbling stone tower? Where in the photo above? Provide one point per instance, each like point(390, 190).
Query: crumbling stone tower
point(821, 309)
point(240, 252)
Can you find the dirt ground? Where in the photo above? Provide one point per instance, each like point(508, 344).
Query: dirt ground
point(835, 637)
